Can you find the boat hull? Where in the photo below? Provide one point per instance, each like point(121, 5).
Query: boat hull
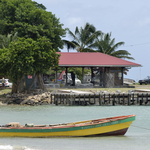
point(116, 127)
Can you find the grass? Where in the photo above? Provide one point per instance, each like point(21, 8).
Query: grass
point(4, 91)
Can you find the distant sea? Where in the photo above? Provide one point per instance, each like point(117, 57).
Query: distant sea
point(137, 137)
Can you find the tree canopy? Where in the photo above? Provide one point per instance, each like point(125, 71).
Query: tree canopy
point(30, 20)
point(27, 56)
point(29, 39)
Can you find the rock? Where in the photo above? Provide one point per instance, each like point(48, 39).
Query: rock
point(8, 96)
point(30, 102)
point(28, 99)
point(17, 101)
point(2, 103)
point(44, 103)
point(24, 102)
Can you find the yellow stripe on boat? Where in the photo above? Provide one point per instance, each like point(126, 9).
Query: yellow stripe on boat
point(81, 132)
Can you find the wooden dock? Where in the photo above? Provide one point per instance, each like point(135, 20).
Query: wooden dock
point(100, 99)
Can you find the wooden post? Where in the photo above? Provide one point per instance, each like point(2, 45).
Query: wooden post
point(109, 98)
point(113, 102)
point(104, 98)
point(146, 98)
point(89, 98)
point(100, 100)
point(94, 98)
point(82, 75)
point(91, 72)
point(129, 98)
point(66, 75)
point(79, 99)
point(119, 98)
point(123, 99)
point(84, 100)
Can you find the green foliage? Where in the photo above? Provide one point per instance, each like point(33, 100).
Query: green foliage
point(27, 56)
point(30, 20)
point(105, 44)
point(88, 39)
point(82, 38)
point(38, 38)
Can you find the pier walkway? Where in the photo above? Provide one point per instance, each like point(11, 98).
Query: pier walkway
point(101, 99)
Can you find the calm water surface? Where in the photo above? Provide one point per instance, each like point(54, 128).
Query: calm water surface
point(137, 137)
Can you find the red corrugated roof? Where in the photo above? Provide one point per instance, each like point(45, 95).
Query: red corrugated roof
point(92, 59)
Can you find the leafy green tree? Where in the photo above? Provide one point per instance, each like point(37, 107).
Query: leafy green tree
point(30, 20)
point(83, 38)
point(27, 56)
point(105, 44)
point(40, 34)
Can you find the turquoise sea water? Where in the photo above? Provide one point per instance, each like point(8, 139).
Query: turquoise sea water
point(137, 137)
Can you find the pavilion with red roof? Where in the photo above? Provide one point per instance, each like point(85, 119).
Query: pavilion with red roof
point(107, 69)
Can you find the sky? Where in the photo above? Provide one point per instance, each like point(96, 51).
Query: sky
point(127, 20)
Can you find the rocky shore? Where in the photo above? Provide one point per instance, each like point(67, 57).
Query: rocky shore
point(33, 99)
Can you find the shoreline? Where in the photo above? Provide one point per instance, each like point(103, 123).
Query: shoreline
point(38, 97)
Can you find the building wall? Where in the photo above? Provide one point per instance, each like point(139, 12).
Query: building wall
point(113, 77)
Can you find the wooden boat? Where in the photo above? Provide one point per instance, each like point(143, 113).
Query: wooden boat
point(99, 127)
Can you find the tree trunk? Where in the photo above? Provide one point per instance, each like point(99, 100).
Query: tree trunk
point(14, 88)
point(40, 82)
point(18, 86)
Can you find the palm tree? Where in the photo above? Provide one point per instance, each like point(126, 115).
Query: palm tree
point(105, 44)
point(83, 38)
